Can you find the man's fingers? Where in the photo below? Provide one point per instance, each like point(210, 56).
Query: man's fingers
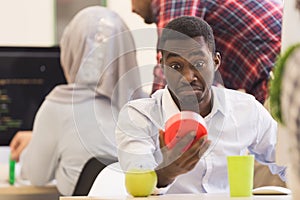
point(194, 150)
point(205, 145)
point(182, 143)
point(194, 154)
point(162, 138)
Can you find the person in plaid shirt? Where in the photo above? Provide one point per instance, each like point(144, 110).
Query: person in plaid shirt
point(247, 33)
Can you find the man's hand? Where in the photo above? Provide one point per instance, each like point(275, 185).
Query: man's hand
point(176, 161)
point(18, 143)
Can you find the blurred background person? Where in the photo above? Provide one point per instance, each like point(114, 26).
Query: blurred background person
point(77, 120)
point(247, 33)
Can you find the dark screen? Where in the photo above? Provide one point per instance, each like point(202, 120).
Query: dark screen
point(27, 75)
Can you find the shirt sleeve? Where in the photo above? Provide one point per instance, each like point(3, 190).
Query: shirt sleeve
point(39, 159)
point(264, 148)
point(138, 143)
point(137, 140)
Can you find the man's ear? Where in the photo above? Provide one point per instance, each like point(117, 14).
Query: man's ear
point(161, 62)
point(217, 60)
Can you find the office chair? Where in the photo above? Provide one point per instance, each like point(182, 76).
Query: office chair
point(89, 173)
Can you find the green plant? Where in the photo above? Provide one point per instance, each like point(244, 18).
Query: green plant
point(275, 83)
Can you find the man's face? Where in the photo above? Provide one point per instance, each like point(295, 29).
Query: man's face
point(144, 9)
point(189, 68)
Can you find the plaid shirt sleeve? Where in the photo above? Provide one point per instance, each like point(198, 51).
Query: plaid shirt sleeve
point(247, 34)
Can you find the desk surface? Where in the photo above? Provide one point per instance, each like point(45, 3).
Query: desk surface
point(187, 197)
point(29, 193)
point(22, 190)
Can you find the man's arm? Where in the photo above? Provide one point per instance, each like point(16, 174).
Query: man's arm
point(265, 145)
point(177, 161)
point(137, 143)
point(140, 147)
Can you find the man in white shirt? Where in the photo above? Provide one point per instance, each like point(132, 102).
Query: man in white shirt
point(236, 122)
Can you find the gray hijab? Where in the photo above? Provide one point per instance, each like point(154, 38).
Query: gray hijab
point(98, 59)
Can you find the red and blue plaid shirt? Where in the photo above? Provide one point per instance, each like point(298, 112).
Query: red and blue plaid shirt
point(247, 34)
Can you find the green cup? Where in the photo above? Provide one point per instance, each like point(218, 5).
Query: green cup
point(240, 175)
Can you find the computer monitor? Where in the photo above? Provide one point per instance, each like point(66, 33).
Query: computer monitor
point(27, 75)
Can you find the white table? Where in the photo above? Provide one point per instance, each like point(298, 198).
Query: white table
point(186, 197)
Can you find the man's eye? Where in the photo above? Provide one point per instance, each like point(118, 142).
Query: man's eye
point(175, 66)
point(199, 65)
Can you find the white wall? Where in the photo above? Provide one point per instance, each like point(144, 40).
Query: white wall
point(33, 23)
point(145, 38)
point(27, 22)
point(290, 25)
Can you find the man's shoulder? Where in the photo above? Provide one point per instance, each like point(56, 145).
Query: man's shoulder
point(143, 102)
point(234, 94)
point(234, 98)
point(147, 103)
point(146, 108)
point(237, 103)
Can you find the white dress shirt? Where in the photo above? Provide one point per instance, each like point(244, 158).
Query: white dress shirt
point(236, 125)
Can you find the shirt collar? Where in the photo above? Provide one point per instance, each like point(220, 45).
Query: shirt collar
point(168, 105)
point(170, 108)
point(219, 101)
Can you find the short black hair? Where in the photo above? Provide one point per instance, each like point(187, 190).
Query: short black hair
point(187, 26)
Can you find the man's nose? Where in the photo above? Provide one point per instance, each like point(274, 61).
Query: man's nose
point(190, 75)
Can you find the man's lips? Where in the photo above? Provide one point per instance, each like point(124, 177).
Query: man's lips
point(190, 91)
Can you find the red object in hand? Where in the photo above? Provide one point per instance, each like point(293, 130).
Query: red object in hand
point(181, 124)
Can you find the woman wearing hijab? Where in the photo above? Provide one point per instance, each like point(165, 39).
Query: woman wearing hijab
point(77, 120)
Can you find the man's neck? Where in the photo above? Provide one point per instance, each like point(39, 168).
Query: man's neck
point(203, 108)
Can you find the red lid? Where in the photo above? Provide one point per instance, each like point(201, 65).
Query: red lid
point(181, 124)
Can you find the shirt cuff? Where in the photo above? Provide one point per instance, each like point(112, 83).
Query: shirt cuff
point(162, 190)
